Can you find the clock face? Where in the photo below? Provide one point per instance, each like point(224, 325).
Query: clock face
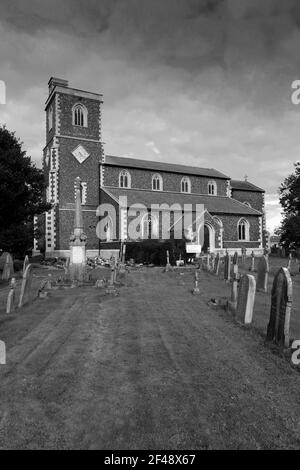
point(80, 154)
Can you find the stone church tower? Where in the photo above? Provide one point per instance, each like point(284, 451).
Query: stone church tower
point(73, 148)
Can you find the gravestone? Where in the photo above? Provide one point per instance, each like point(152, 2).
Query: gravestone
point(168, 266)
point(3, 260)
point(278, 329)
point(2, 353)
point(246, 298)
point(244, 255)
point(217, 264)
point(289, 265)
point(26, 263)
point(234, 289)
point(262, 274)
point(227, 266)
point(11, 298)
point(252, 267)
point(235, 258)
point(26, 294)
point(8, 268)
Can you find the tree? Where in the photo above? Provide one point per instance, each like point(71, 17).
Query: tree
point(22, 189)
point(290, 200)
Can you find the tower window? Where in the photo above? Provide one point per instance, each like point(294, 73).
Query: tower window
point(243, 230)
point(80, 115)
point(157, 183)
point(212, 188)
point(185, 185)
point(124, 179)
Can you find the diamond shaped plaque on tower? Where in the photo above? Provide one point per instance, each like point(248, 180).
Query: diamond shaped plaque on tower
point(80, 154)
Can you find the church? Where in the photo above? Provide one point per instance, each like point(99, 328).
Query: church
point(116, 190)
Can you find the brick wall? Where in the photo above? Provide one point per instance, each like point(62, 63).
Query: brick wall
point(142, 179)
point(255, 199)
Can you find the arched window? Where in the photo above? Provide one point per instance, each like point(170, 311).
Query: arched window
point(247, 203)
point(212, 188)
point(150, 227)
point(185, 185)
point(157, 183)
point(80, 115)
point(124, 179)
point(243, 230)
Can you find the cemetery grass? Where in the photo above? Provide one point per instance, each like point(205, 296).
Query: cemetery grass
point(154, 368)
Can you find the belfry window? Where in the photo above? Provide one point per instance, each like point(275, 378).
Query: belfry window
point(80, 115)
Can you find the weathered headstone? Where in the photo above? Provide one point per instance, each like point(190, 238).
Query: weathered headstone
point(11, 298)
point(227, 266)
point(2, 353)
point(8, 268)
point(262, 274)
point(245, 300)
point(281, 303)
point(26, 263)
point(234, 289)
point(244, 255)
point(235, 258)
point(26, 293)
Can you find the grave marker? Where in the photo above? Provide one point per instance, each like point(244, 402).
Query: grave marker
point(26, 263)
point(217, 264)
point(262, 274)
point(227, 266)
point(252, 267)
point(245, 300)
point(8, 268)
point(11, 298)
point(26, 294)
point(278, 329)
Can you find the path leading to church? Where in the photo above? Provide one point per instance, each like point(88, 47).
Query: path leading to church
point(155, 368)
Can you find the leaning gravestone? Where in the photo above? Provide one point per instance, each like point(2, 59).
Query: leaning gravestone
point(26, 294)
point(8, 268)
point(227, 266)
point(281, 303)
point(246, 297)
point(262, 274)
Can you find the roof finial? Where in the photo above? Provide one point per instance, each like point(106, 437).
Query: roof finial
point(246, 177)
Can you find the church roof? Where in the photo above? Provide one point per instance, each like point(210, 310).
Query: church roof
point(162, 166)
point(214, 204)
point(245, 186)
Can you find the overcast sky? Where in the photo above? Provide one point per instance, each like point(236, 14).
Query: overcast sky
point(199, 82)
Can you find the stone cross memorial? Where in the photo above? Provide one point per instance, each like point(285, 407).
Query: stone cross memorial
point(78, 261)
point(246, 297)
point(262, 274)
point(278, 329)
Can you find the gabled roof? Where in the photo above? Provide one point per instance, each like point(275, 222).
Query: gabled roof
point(161, 166)
point(214, 204)
point(245, 186)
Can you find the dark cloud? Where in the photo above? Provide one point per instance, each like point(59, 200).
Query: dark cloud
point(201, 81)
